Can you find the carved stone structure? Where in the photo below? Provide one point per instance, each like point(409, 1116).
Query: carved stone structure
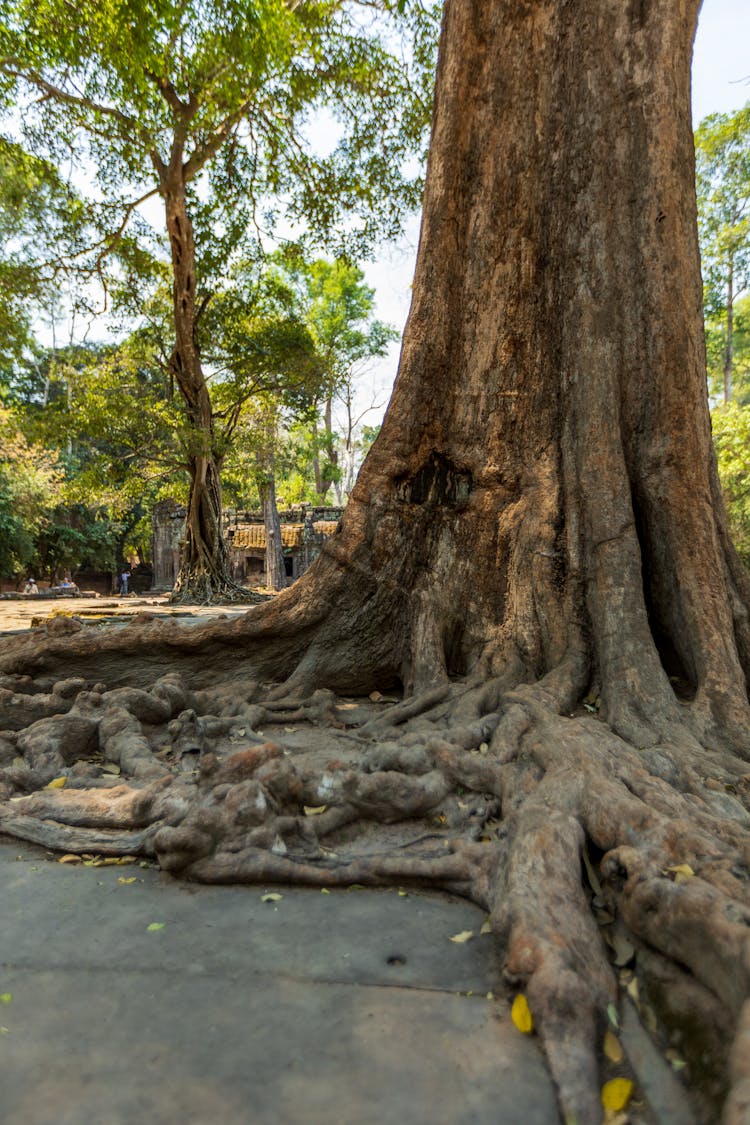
point(303, 531)
point(167, 532)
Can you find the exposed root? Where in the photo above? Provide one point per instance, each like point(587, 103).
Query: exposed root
point(487, 792)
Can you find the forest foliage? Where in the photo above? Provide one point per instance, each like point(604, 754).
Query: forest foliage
point(93, 434)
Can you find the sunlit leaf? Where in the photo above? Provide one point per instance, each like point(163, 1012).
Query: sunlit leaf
point(314, 810)
point(682, 872)
point(616, 1094)
point(58, 783)
point(520, 1013)
point(126, 882)
point(273, 897)
point(70, 859)
point(465, 935)
point(612, 1047)
point(154, 926)
point(486, 927)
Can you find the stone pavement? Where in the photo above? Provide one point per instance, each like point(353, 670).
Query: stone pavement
point(348, 1008)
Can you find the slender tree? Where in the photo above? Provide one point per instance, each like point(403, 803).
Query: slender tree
point(722, 147)
point(536, 549)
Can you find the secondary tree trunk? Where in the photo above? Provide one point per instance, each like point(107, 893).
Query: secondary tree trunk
point(729, 344)
point(203, 573)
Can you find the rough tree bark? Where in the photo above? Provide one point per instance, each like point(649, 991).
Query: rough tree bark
point(536, 551)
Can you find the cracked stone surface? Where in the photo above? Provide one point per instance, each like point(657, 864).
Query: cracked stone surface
point(350, 1006)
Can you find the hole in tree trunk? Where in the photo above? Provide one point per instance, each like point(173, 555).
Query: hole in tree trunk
point(661, 595)
point(455, 657)
point(438, 482)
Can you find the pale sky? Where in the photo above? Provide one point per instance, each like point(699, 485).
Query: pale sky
point(721, 83)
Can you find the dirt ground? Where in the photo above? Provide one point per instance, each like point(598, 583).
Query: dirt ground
point(19, 614)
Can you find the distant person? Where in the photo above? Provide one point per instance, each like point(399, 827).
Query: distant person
point(66, 584)
point(124, 582)
point(30, 587)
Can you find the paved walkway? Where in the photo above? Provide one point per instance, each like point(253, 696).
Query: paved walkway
point(348, 1008)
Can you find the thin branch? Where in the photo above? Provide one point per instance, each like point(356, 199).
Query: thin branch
point(203, 153)
point(13, 68)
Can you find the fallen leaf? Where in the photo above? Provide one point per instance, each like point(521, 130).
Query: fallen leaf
point(271, 897)
point(682, 872)
point(4, 1031)
point(110, 767)
point(520, 1013)
point(324, 891)
point(465, 935)
point(6, 997)
point(592, 875)
point(612, 1015)
point(155, 926)
point(616, 1094)
point(316, 810)
point(612, 1047)
point(126, 882)
point(125, 860)
point(70, 859)
point(490, 995)
point(483, 747)
point(632, 990)
point(623, 950)
point(375, 696)
point(58, 783)
point(290, 730)
point(486, 927)
point(403, 894)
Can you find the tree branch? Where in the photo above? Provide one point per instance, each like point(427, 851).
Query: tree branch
point(14, 69)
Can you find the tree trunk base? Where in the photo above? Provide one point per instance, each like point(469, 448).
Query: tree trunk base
point(603, 869)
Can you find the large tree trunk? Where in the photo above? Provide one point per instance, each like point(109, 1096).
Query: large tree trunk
point(535, 549)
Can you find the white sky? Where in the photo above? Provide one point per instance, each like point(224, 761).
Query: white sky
point(721, 83)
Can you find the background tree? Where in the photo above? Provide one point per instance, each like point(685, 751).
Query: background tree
point(337, 308)
point(722, 149)
point(154, 95)
point(536, 549)
point(30, 481)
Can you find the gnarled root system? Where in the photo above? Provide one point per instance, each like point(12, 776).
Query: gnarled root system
point(598, 864)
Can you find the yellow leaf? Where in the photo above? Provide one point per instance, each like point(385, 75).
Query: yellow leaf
point(616, 1094)
point(403, 894)
point(486, 927)
point(632, 991)
point(490, 995)
point(58, 783)
point(125, 860)
point(311, 810)
point(324, 891)
point(6, 997)
point(69, 859)
point(682, 872)
point(612, 1047)
point(520, 1013)
point(127, 882)
point(465, 935)
point(271, 898)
